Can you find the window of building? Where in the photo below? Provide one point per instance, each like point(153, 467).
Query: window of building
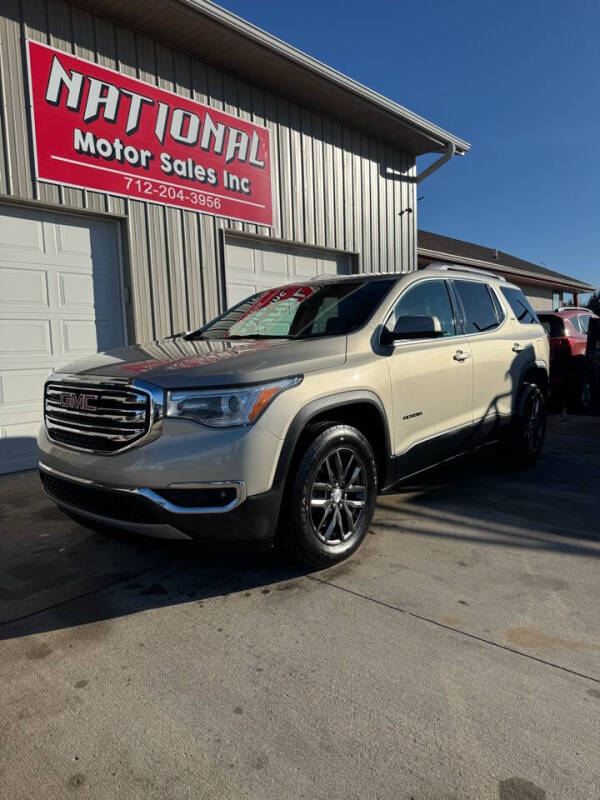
point(556, 299)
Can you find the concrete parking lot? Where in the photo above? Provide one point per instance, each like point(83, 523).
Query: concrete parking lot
point(456, 656)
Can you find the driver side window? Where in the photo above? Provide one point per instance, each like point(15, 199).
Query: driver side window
point(429, 298)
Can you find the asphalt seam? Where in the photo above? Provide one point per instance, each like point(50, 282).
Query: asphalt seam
point(438, 624)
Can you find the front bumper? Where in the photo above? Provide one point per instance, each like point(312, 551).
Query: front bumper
point(184, 452)
point(212, 510)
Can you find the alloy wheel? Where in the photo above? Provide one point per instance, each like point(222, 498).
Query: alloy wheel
point(338, 495)
point(534, 425)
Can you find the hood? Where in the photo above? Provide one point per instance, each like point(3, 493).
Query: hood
point(178, 363)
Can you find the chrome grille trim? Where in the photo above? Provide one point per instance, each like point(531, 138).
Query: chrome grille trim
point(132, 398)
point(138, 416)
point(117, 434)
point(120, 414)
point(153, 495)
point(94, 421)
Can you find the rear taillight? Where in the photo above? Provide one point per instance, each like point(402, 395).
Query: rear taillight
point(565, 346)
point(560, 349)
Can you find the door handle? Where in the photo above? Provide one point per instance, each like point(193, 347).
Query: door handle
point(518, 348)
point(460, 355)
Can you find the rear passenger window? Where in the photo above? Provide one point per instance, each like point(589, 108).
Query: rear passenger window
point(480, 312)
point(520, 306)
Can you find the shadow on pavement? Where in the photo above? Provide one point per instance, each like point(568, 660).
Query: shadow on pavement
point(53, 571)
point(56, 574)
point(555, 503)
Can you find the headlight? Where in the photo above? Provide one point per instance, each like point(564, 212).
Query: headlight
point(226, 407)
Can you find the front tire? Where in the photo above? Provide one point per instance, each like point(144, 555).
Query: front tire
point(332, 497)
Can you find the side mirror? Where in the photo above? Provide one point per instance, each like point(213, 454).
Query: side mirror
point(413, 327)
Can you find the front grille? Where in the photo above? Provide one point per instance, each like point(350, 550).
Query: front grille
point(112, 505)
point(103, 417)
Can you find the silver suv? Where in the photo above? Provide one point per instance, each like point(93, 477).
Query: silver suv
point(282, 419)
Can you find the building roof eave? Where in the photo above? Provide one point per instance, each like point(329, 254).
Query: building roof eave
point(563, 281)
point(228, 42)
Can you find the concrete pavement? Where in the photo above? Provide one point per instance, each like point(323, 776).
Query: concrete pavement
point(456, 656)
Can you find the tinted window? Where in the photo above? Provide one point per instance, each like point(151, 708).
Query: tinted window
point(479, 310)
point(428, 298)
point(553, 325)
point(520, 306)
point(299, 311)
point(584, 323)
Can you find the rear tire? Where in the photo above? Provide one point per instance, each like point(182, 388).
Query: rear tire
point(525, 439)
point(331, 497)
point(582, 399)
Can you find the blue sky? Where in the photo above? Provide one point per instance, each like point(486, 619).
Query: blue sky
point(519, 80)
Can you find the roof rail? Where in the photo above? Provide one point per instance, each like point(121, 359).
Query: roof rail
point(342, 275)
point(574, 308)
point(460, 268)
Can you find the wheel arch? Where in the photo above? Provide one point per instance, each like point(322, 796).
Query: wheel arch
point(537, 373)
point(362, 409)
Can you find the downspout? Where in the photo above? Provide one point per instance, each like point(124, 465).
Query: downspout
point(448, 153)
point(445, 157)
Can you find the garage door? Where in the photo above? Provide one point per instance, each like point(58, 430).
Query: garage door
point(60, 299)
point(253, 266)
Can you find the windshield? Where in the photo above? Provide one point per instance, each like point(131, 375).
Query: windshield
point(299, 311)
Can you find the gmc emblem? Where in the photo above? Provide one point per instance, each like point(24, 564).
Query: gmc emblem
point(79, 402)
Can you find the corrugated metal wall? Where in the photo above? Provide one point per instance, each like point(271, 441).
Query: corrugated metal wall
point(540, 297)
point(332, 185)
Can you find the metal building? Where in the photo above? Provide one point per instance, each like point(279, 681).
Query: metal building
point(544, 288)
point(160, 159)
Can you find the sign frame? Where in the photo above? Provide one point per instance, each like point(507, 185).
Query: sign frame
point(168, 202)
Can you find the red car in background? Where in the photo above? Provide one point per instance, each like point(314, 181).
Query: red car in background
point(570, 378)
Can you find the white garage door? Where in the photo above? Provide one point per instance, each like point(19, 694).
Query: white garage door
point(253, 266)
point(60, 299)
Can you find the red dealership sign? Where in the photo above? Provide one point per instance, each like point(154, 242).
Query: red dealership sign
point(95, 128)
